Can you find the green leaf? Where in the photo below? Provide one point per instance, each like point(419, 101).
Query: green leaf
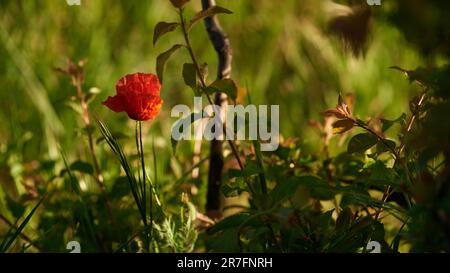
point(234, 188)
point(190, 76)
point(344, 219)
point(92, 94)
point(211, 11)
point(16, 208)
point(227, 86)
point(204, 71)
point(251, 168)
point(386, 124)
point(381, 147)
point(343, 125)
point(82, 167)
point(283, 152)
point(73, 180)
point(75, 106)
point(378, 231)
point(357, 195)
point(162, 59)
point(233, 221)
point(120, 188)
point(361, 143)
point(287, 188)
point(396, 243)
point(224, 242)
point(326, 220)
point(355, 237)
point(178, 3)
point(435, 78)
point(162, 28)
point(379, 175)
point(90, 97)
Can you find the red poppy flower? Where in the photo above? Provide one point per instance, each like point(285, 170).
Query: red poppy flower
point(137, 95)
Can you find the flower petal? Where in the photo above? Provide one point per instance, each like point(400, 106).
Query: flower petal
point(115, 103)
point(334, 112)
point(153, 107)
point(121, 86)
point(137, 95)
point(151, 84)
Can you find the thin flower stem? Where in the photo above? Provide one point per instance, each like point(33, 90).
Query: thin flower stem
point(380, 138)
point(138, 150)
point(77, 82)
point(202, 81)
point(144, 189)
point(413, 118)
point(262, 175)
point(134, 185)
point(152, 187)
point(397, 158)
point(144, 176)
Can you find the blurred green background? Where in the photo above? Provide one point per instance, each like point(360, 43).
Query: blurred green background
point(283, 51)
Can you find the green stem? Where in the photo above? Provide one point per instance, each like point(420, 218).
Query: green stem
point(202, 80)
point(138, 150)
point(142, 182)
point(144, 174)
point(380, 138)
point(397, 158)
point(98, 177)
point(262, 175)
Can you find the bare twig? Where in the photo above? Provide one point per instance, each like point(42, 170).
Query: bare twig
point(222, 46)
point(76, 73)
point(413, 118)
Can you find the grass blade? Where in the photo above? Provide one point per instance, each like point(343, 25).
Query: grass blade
point(134, 186)
point(9, 240)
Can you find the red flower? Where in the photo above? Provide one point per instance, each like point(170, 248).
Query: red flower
point(138, 95)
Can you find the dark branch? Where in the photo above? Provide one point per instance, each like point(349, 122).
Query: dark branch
point(222, 46)
point(220, 42)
